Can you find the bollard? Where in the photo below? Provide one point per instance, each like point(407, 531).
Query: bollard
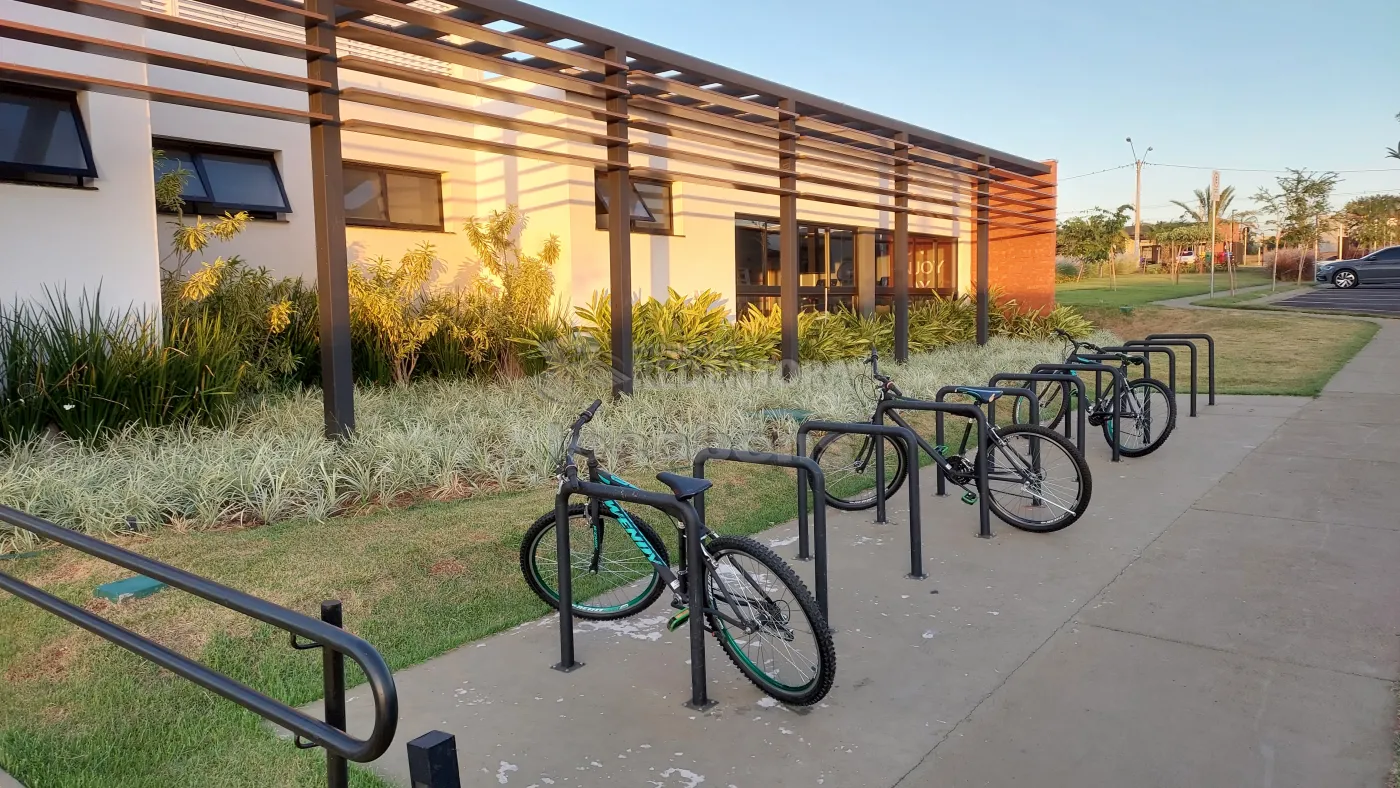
point(432, 761)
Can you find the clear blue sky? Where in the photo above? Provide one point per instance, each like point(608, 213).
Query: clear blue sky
point(1250, 84)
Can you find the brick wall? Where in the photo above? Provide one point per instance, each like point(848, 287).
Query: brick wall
point(1021, 265)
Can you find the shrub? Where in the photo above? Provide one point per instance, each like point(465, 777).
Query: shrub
point(1286, 262)
point(85, 372)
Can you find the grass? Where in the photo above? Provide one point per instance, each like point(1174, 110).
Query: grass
point(416, 582)
point(1139, 289)
point(1256, 352)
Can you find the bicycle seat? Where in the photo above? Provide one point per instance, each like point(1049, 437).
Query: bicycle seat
point(684, 487)
point(983, 396)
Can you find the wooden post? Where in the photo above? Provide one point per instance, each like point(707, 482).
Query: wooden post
point(788, 278)
point(899, 256)
point(984, 191)
point(619, 231)
point(328, 208)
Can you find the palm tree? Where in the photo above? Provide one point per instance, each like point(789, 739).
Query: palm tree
point(1200, 211)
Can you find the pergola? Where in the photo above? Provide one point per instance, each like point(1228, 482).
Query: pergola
point(765, 137)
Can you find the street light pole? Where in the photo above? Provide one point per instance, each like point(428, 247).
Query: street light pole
point(1137, 202)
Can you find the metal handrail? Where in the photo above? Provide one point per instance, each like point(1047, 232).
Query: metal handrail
point(337, 743)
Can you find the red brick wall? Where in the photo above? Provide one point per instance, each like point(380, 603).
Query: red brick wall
point(1021, 264)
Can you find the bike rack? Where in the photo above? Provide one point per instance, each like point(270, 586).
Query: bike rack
point(335, 644)
point(984, 512)
point(1066, 381)
point(1119, 378)
point(942, 396)
point(1191, 346)
point(911, 459)
point(1104, 358)
point(807, 469)
point(693, 556)
point(1145, 351)
point(1177, 339)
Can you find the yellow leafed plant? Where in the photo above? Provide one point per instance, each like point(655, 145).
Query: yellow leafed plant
point(389, 303)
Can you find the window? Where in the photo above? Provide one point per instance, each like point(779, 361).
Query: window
point(825, 265)
point(379, 196)
point(42, 137)
point(932, 265)
point(651, 204)
point(225, 179)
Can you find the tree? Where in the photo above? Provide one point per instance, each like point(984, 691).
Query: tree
point(1298, 206)
point(1095, 238)
point(1394, 152)
point(1367, 219)
point(1199, 211)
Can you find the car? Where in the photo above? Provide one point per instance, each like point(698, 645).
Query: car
point(1186, 257)
point(1380, 267)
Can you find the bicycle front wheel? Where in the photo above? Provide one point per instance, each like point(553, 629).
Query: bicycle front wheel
point(611, 577)
point(848, 465)
point(1146, 416)
point(766, 620)
point(1037, 481)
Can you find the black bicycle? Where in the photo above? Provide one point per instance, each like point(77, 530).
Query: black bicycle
point(1036, 480)
point(1145, 410)
point(758, 609)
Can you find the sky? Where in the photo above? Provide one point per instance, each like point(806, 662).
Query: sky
point(1230, 84)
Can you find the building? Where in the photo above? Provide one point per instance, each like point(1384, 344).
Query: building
point(450, 110)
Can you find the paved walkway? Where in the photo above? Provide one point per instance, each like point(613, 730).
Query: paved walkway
point(1225, 614)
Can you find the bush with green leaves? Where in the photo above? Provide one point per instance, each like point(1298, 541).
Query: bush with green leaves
point(269, 460)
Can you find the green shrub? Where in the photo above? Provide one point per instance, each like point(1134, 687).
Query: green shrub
point(85, 372)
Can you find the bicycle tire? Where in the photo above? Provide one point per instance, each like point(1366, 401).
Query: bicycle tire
point(865, 497)
point(824, 672)
point(1151, 386)
point(541, 532)
point(1076, 505)
point(1051, 399)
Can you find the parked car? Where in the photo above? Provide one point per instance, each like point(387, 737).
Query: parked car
point(1377, 268)
point(1186, 257)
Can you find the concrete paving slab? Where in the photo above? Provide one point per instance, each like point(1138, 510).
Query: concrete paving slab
point(1305, 593)
point(1338, 440)
point(1312, 488)
point(911, 663)
point(1096, 707)
point(6, 781)
point(1354, 408)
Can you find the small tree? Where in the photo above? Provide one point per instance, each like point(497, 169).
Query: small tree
point(521, 286)
point(1367, 219)
point(1096, 238)
point(391, 307)
point(191, 239)
point(1298, 206)
point(1394, 152)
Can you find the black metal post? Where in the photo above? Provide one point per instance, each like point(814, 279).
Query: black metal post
point(969, 411)
point(432, 761)
point(565, 559)
point(333, 678)
point(984, 249)
point(808, 472)
point(1210, 356)
point(1191, 346)
point(619, 187)
point(1120, 383)
point(879, 432)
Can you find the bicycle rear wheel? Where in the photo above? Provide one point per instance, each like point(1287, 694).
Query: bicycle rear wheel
point(1051, 398)
point(611, 577)
point(1038, 481)
point(1146, 415)
point(787, 649)
point(848, 464)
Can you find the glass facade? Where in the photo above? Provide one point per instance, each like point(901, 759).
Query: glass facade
point(933, 264)
point(826, 264)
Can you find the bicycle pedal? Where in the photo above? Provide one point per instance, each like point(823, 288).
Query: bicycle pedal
point(969, 498)
point(678, 620)
point(1097, 419)
point(941, 449)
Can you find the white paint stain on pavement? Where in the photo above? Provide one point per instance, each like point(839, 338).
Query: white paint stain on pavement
point(506, 768)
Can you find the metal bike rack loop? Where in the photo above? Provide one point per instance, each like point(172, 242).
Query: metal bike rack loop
point(1104, 358)
point(335, 644)
point(1145, 351)
point(908, 441)
point(1066, 381)
point(808, 470)
point(991, 410)
point(695, 578)
point(984, 513)
point(1210, 357)
point(1121, 383)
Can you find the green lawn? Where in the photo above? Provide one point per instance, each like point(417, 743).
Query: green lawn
point(1242, 298)
point(416, 582)
point(1139, 289)
point(1257, 352)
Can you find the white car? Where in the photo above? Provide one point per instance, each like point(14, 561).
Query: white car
point(1186, 257)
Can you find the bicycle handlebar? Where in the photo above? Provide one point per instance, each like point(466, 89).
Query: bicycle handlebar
point(568, 467)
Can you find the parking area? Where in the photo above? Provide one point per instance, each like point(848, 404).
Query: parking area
point(1378, 300)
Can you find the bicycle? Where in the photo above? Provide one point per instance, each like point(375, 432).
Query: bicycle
point(1138, 409)
point(758, 609)
point(1036, 481)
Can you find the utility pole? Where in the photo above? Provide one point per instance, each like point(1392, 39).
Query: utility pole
point(1137, 202)
point(1214, 198)
point(1278, 238)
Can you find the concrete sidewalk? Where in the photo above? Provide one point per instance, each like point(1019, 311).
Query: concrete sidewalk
point(1224, 614)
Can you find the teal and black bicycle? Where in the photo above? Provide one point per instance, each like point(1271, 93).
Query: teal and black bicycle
point(758, 609)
